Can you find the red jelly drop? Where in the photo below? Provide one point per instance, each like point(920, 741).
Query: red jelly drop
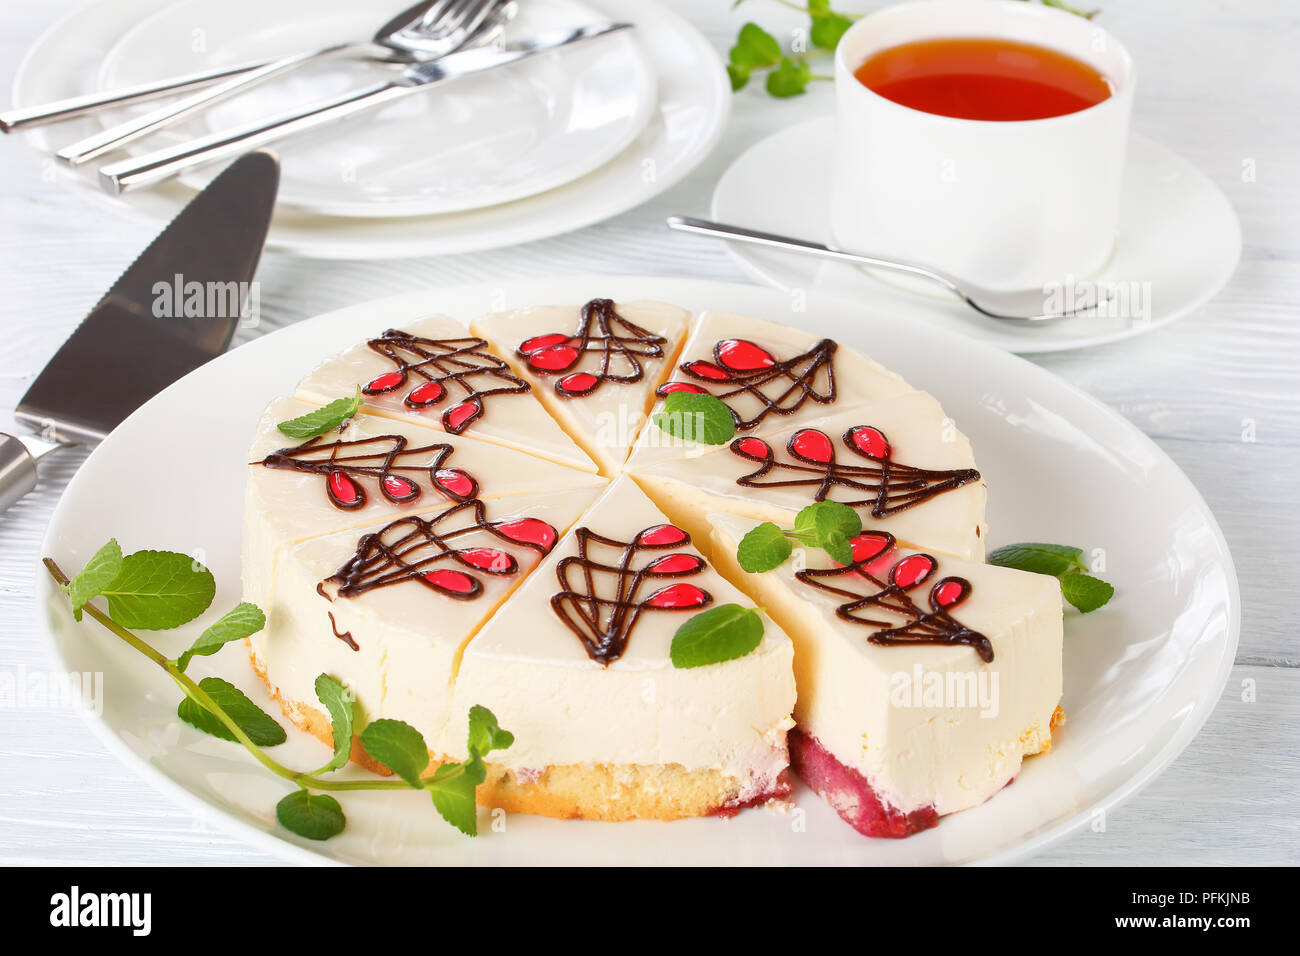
point(455, 483)
point(459, 417)
point(869, 545)
point(539, 342)
point(488, 559)
point(398, 488)
point(422, 396)
point(677, 595)
point(577, 383)
point(557, 358)
point(529, 531)
point(949, 591)
point(454, 582)
point(669, 387)
point(384, 383)
point(662, 535)
point(344, 491)
point(742, 356)
point(912, 570)
point(676, 564)
point(870, 441)
point(812, 445)
point(707, 370)
point(753, 447)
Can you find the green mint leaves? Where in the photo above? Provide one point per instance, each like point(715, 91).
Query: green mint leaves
point(257, 724)
point(399, 747)
point(103, 568)
point(342, 708)
point(828, 525)
point(244, 620)
point(322, 419)
point(722, 633)
point(149, 590)
point(755, 49)
point(1065, 563)
point(316, 816)
point(696, 417)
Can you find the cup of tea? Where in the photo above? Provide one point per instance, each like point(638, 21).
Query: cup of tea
point(982, 137)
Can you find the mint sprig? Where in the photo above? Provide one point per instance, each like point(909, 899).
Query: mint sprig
point(1063, 562)
point(259, 726)
point(722, 633)
point(321, 420)
point(244, 620)
point(828, 525)
point(697, 417)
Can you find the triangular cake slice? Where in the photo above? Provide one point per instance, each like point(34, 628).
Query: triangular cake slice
point(899, 462)
point(370, 470)
point(923, 681)
point(595, 366)
point(771, 376)
point(387, 609)
point(577, 665)
point(434, 373)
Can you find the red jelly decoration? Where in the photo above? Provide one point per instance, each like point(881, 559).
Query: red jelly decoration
point(384, 383)
point(812, 445)
point(912, 570)
point(422, 396)
point(677, 595)
point(398, 488)
point(557, 358)
point(669, 387)
point(455, 483)
point(344, 492)
point(459, 417)
point(949, 591)
point(753, 447)
point(489, 559)
point(539, 342)
point(707, 370)
point(870, 441)
point(869, 545)
point(676, 564)
point(662, 535)
point(577, 383)
point(456, 583)
point(528, 531)
point(742, 356)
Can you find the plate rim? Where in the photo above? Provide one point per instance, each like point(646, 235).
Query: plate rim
point(285, 848)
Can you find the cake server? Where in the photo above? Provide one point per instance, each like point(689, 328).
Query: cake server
point(175, 308)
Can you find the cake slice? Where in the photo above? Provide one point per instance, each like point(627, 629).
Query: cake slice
point(577, 665)
point(432, 372)
point(899, 462)
point(595, 366)
point(771, 376)
point(923, 682)
point(370, 470)
point(387, 609)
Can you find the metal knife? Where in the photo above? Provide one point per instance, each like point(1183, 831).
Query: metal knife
point(175, 308)
point(162, 164)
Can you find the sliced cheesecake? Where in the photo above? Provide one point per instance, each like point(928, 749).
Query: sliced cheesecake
point(595, 367)
point(771, 376)
point(434, 373)
point(899, 462)
point(923, 681)
point(387, 609)
point(577, 665)
point(370, 470)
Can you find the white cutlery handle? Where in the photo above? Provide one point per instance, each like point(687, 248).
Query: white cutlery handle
point(17, 470)
point(129, 131)
point(157, 166)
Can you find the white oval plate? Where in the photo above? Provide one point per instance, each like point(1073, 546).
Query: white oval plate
point(694, 100)
point(477, 142)
point(1141, 675)
point(1179, 242)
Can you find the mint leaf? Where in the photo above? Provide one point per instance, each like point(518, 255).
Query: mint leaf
point(829, 525)
point(100, 571)
point(243, 621)
point(260, 727)
point(789, 79)
point(452, 790)
point(399, 747)
point(696, 417)
point(738, 75)
point(314, 816)
point(322, 419)
point(157, 590)
point(722, 633)
point(1053, 559)
point(837, 546)
point(755, 47)
point(485, 734)
point(827, 29)
point(1086, 592)
point(338, 700)
point(763, 548)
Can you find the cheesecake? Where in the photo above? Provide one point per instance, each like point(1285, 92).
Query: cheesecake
point(577, 664)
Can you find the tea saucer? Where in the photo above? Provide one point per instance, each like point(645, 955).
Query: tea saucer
point(1179, 242)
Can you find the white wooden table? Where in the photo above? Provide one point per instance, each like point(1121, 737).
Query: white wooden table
point(1218, 85)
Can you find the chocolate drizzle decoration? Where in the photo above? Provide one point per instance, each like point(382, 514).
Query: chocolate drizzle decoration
point(384, 459)
point(438, 365)
point(622, 346)
point(888, 487)
point(424, 550)
point(891, 579)
point(741, 367)
point(603, 623)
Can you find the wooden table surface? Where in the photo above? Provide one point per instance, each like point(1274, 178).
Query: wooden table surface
point(1218, 85)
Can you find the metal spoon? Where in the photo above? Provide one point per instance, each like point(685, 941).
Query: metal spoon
point(1025, 305)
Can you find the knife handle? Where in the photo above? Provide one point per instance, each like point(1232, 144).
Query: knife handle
point(17, 470)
